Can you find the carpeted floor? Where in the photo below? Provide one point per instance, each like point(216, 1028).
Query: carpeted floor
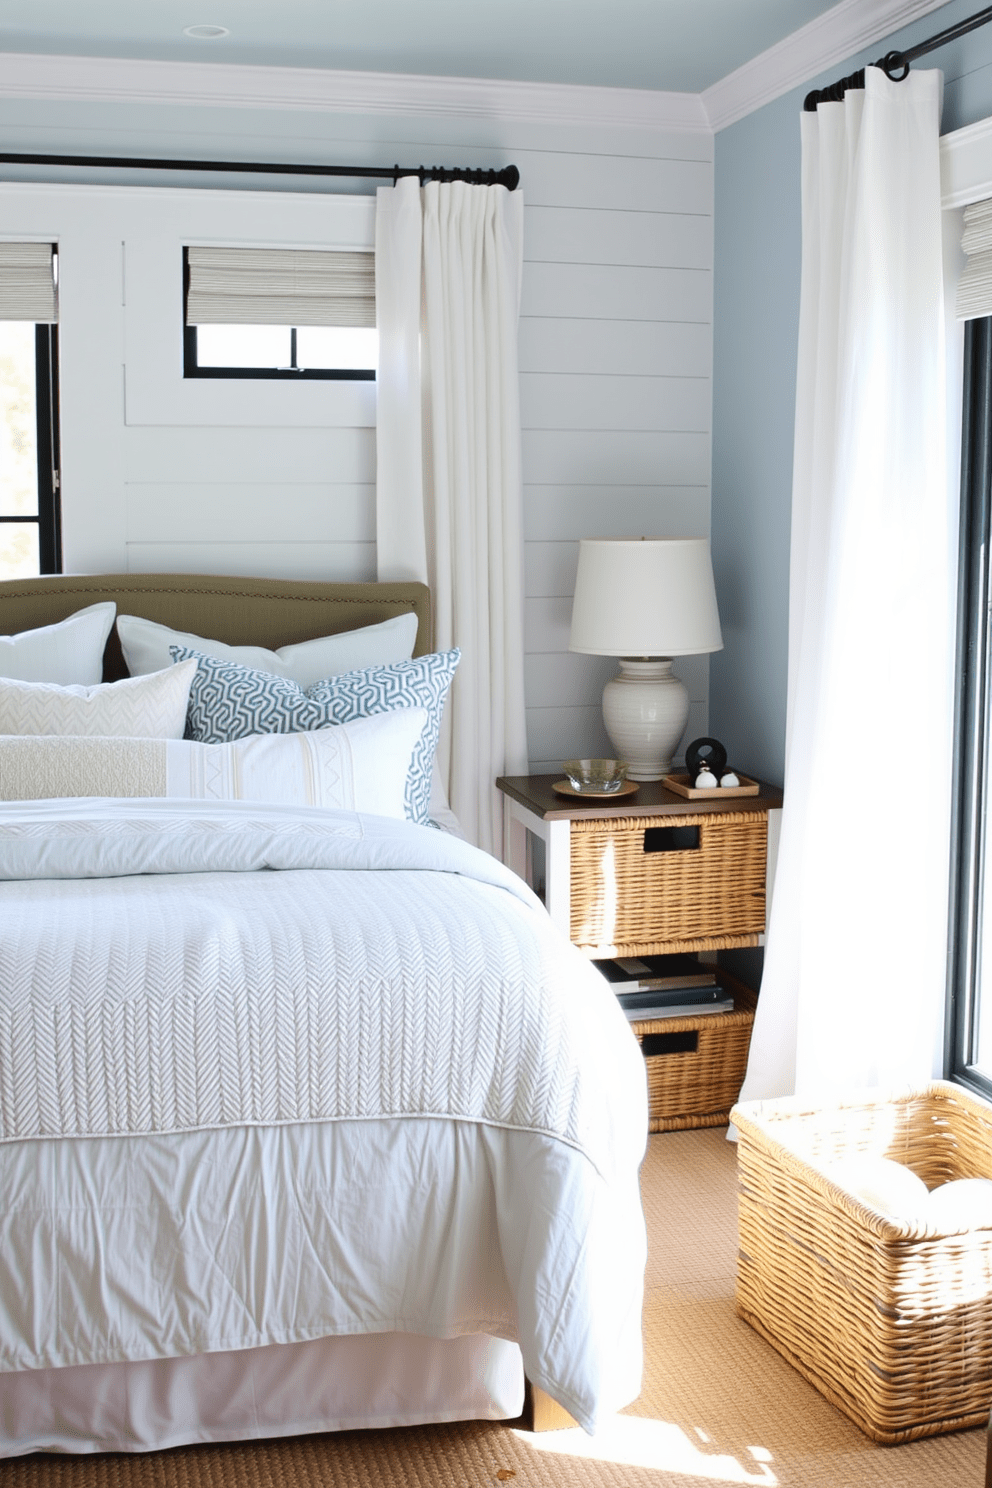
point(718, 1407)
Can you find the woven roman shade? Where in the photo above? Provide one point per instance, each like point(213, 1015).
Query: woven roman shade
point(280, 286)
point(974, 297)
point(27, 283)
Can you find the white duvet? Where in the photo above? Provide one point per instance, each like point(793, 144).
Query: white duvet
point(370, 1091)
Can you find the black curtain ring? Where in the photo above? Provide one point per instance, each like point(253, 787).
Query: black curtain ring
point(892, 63)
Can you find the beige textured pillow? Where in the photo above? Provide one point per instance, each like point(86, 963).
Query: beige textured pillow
point(49, 767)
point(152, 707)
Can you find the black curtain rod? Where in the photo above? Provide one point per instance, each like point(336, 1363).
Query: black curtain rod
point(894, 63)
point(509, 176)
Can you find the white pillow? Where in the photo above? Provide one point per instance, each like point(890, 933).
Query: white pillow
point(360, 766)
point(146, 649)
point(152, 707)
point(69, 652)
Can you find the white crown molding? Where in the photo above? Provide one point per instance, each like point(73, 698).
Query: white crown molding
point(833, 37)
point(219, 85)
point(966, 165)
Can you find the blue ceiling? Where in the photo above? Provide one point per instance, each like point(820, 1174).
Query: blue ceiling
point(678, 45)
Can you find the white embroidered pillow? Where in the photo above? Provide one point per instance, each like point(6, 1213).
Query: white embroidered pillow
point(152, 707)
point(360, 766)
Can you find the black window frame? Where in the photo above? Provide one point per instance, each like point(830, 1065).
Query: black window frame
point(971, 847)
point(49, 514)
point(292, 373)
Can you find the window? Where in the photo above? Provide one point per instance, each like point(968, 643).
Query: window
point(970, 1022)
point(279, 313)
point(30, 539)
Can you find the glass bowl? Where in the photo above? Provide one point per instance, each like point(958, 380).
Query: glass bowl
point(601, 775)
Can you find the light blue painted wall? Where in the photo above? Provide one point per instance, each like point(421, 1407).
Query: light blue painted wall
point(756, 318)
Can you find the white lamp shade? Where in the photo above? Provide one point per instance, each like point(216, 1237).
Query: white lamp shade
point(645, 597)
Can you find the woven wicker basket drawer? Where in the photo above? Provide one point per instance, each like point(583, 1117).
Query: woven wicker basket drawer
point(695, 1066)
point(891, 1320)
point(633, 891)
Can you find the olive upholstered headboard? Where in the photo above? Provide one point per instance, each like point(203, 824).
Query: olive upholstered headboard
point(239, 611)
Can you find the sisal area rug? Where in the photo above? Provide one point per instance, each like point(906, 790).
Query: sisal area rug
point(719, 1406)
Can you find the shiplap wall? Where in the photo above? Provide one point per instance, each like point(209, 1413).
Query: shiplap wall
point(615, 358)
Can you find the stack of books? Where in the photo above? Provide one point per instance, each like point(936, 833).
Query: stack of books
point(665, 987)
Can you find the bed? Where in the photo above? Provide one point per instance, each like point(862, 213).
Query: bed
point(309, 1119)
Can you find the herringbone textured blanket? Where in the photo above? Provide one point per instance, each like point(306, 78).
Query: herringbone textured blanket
point(169, 999)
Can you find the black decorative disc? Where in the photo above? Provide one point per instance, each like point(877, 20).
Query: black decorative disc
point(708, 753)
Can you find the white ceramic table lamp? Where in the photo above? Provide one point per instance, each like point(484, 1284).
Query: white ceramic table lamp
point(645, 600)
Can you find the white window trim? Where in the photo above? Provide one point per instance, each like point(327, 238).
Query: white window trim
point(965, 177)
point(156, 391)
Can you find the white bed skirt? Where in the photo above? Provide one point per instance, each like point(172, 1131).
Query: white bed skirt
point(285, 1389)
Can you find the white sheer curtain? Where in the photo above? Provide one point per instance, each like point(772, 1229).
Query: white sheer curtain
point(448, 489)
point(853, 987)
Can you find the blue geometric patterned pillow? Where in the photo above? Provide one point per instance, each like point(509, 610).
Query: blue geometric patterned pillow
point(228, 701)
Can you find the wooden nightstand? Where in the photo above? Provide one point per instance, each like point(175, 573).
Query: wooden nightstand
point(649, 873)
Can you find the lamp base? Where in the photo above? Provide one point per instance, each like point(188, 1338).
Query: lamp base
point(645, 710)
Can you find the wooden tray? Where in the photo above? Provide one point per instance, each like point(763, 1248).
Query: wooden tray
point(680, 785)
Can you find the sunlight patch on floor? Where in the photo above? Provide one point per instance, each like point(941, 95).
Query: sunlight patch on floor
point(638, 1442)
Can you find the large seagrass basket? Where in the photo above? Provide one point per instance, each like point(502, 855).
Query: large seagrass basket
point(891, 1321)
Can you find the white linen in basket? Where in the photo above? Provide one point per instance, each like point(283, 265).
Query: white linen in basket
point(152, 707)
point(145, 645)
point(68, 652)
point(361, 766)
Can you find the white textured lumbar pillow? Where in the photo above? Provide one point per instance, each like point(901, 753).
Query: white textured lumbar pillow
point(882, 1184)
point(71, 651)
point(146, 649)
point(964, 1203)
point(152, 707)
point(360, 766)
